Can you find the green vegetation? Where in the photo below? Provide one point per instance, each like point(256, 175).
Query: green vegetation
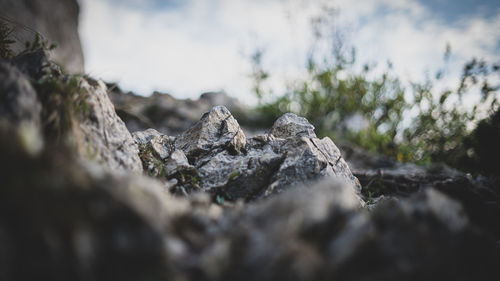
point(412, 122)
point(39, 43)
point(151, 161)
point(189, 178)
point(62, 96)
point(63, 102)
point(5, 40)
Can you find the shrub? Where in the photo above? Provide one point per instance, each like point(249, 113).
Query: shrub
point(415, 123)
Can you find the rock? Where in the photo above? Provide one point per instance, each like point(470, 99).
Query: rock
point(72, 107)
point(290, 125)
point(18, 99)
point(318, 233)
point(102, 135)
point(55, 20)
point(61, 222)
point(154, 148)
point(310, 159)
point(386, 178)
point(20, 109)
point(425, 236)
point(216, 129)
point(282, 205)
point(160, 144)
point(230, 167)
point(177, 162)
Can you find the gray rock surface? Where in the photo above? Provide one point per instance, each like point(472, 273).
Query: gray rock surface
point(384, 178)
point(61, 220)
point(290, 125)
point(18, 100)
point(319, 233)
point(73, 103)
point(55, 20)
point(103, 136)
point(226, 164)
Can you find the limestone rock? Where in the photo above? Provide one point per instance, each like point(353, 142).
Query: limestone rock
point(216, 129)
point(102, 135)
point(160, 144)
point(291, 125)
point(231, 167)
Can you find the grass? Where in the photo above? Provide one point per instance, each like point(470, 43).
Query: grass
point(63, 103)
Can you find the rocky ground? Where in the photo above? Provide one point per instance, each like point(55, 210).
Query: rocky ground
point(188, 195)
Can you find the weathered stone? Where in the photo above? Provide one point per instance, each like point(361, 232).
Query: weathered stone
point(383, 178)
point(291, 125)
point(103, 136)
point(309, 159)
point(18, 99)
point(20, 109)
point(177, 162)
point(231, 167)
point(59, 221)
point(425, 236)
point(217, 129)
point(160, 144)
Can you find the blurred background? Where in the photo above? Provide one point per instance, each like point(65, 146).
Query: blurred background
point(188, 47)
point(408, 79)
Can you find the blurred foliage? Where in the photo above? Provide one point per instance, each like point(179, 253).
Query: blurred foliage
point(39, 43)
point(484, 145)
point(5, 40)
point(63, 102)
point(412, 122)
point(445, 119)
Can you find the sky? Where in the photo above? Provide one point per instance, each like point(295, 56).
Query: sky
point(187, 47)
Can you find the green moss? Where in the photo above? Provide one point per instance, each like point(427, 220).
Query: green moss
point(233, 176)
point(189, 178)
point(151, 162)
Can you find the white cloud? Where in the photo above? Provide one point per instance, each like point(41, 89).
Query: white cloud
point(199, 46)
